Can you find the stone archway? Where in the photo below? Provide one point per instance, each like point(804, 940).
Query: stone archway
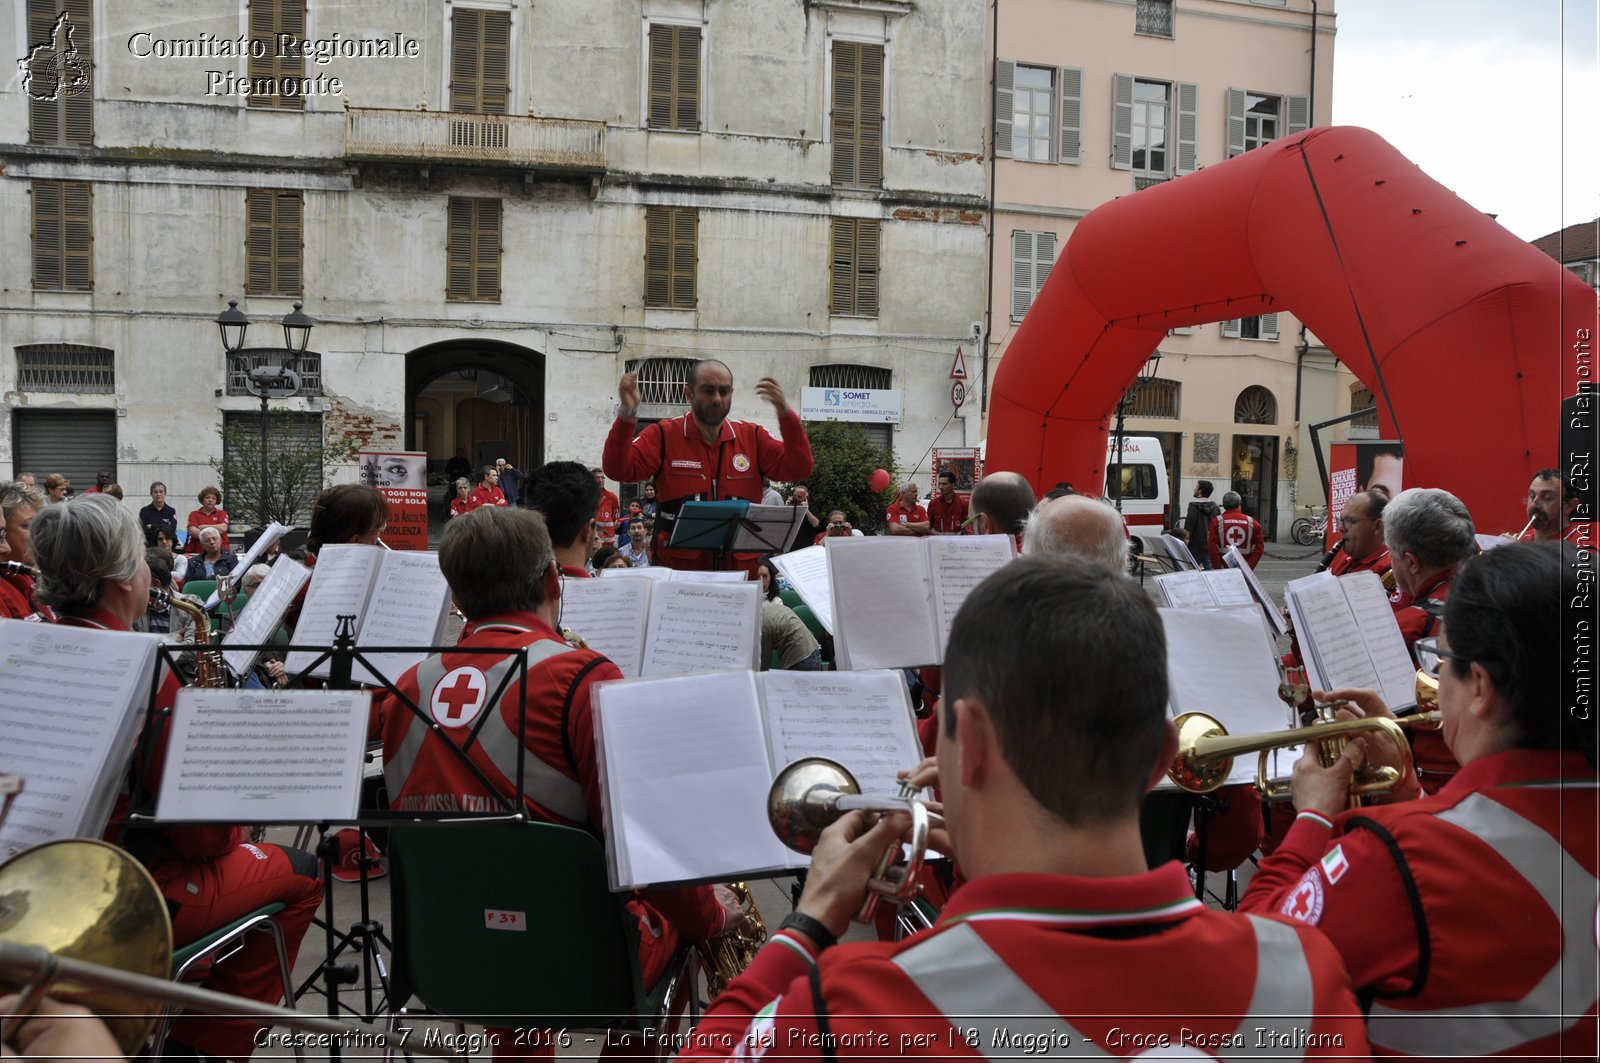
point(513, 413)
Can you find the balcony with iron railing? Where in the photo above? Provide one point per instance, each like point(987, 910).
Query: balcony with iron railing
point(564, 145)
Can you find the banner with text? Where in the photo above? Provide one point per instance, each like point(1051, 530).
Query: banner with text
point(877, 406)
point(403, 479)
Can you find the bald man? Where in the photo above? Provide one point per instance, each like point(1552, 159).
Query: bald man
point(1078, 526)
point(1000, 505)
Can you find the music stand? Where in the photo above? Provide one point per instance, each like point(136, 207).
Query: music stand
point(734, 525)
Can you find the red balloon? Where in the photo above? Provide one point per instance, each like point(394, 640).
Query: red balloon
point(880, 480)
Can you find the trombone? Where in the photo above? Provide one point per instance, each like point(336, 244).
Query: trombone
point(811, 793)
point(85, 922)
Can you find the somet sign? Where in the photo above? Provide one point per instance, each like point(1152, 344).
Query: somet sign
point(881, 406)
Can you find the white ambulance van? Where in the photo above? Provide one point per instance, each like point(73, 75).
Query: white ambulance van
point(1146, 497)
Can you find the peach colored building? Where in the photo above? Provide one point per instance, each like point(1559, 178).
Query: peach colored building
point(1096, 99)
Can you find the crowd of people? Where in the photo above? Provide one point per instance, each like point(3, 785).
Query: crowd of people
point(1452, 917)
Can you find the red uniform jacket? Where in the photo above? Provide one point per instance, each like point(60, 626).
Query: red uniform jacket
point(561, 783)
point(899, 514)
point(486, 496)
point(1235, 528)
point(1485, 896)
point(685, 467)
point(605, 517)
point(1074, 954)
point(16, 599)
point(1420, 619)
point(945, 517)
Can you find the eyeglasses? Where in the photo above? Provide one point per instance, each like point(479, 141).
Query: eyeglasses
point(1429, 656)
point(1350, 522)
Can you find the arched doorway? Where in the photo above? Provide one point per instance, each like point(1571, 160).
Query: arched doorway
point(484, 399)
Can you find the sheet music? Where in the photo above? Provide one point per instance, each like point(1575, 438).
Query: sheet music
point(272, 534)
point(1335, 654)
point(677, 807)
point(882, 602)
point(409, 602)
point(263, 613)
point(248, 756)
point(860, 719)
point(702, 627)
point(1230, 587)
point(1237, 562)
point(71, 706)
point(956, 564)
point(1220, 662)
point(610, 615)
point(1369, 603)
point(1180, 552)
point(807, 572)
point(339, 585)
point(1186, 590)
point(687, 575)
point(655, 572)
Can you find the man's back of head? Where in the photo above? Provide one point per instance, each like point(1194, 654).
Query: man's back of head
point(495, 559)
point(1006, 499)
point(1071, 668)
point(1231, 500)
point(566, 494)
point(1077, 526)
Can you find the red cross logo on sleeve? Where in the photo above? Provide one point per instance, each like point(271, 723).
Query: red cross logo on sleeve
point(458, 697)
point(1304, 905)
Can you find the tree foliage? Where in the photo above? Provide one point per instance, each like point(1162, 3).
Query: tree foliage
point(297, 468)
point(845, 459)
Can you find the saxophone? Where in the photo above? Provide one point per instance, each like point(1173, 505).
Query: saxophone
point(208, 669)
point(727, 955)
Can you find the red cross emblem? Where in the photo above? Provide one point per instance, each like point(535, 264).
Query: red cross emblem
point(459, 697)
point(1235, 534)
point(1304, 905)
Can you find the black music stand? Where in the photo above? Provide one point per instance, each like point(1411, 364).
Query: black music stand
point(734, 525)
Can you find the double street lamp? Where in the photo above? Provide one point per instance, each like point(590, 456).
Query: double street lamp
point(1147, 373)
point(273, 379)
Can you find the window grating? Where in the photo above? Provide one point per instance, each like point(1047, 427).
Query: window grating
point(1363, 404)
point(1156, 398)
point(852, 377)
point(662, 380)
point(1255, 405)
point(66, 367)
point(308, 365)
point(1153, 18)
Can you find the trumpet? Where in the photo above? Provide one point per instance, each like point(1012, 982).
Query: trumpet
point(85, 922)
point(811, 793)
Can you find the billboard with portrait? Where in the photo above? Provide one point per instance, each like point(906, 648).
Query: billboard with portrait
point(402, 476)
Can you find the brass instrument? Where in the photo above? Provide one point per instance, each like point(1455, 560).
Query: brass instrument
point(1427, 692)
point(208, 669)
point(1206, 752)
point(84, 922)
point(577, 641)
point(809, 794)
point(727, 955)
point(1390, 581)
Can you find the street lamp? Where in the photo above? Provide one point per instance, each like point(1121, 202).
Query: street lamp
point(272, 379)
point(1147, 373)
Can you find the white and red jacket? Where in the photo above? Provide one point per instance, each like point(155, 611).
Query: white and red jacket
point(1469, 916)
point(685, 466)
point(1023, 965)
point(1235, 528)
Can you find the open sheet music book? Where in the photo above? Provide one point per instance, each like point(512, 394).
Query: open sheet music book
point(894, 597)
point(658, 628)
point(1220, 662)
point(1350, 638)
point(1236, 561)
point(681, 809)
point(71, 705)
point(399, 598)
point(664, 574)
point(807, 573)
point(252, 756)
point(258, 622)
point(1204, 589)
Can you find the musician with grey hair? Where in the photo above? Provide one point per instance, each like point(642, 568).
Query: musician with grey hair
point(1078, 526)
point(91, 557)
point(19, 504)
point(1053, 726)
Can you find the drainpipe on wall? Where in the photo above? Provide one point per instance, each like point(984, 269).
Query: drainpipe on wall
point(988, 298)
point(1312, 102)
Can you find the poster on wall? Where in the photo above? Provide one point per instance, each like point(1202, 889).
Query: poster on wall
point(402, 476)
point(965, 462)
point(1359, 465)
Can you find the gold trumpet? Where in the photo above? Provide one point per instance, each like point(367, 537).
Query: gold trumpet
point(809, 794)
point(84, 922)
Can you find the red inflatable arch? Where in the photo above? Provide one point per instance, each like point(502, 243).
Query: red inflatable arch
point(1467, 336)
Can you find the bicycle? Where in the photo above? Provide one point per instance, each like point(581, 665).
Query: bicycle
point(1311, 528)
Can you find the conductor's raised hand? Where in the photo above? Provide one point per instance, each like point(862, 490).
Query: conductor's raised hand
point(843, 860)
point(628, 391)
point(769, 389)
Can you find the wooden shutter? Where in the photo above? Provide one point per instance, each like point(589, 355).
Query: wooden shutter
point(480, 61)
point(472, 254)
point(66, 74)
point(1122, 121)
point(63, 240)
point(855, 244)
point(1269, 327)
point(1070, 149)
point(486, 286)
point(869, 157)
point(47, 235)
point(1188, 128)
point(671, 256)
point(857, 120)
point(1235, 122)
point(1230, 329)
point(1005, 82)
point(273, 241)
point(289, 241)
point(868, 235)
point(1022, 287)
point(268, 19)
point(674, 77)
point(1044, 259)
point(685, 234)
point(1298, 112)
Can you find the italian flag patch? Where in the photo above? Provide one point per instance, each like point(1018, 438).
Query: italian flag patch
point(1334, 865)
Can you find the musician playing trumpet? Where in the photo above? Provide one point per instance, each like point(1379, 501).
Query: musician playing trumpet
point(1468, 914)
point(1052, 727)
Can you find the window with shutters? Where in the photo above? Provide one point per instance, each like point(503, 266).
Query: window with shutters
point(1263, 327)
point(1256, 118)
point(670, 253)
point(1156, 398)
point(1150, 104)
point(59, 69)
point(69, 367)
point(1031, 113)
point(857, 120)
point(855, 267)
point(274, 239)
point(1153, 18)
point(674, 77)
point(851, 377)
point(1038, 113)
point(480, 61)
point(307, 366)
point(473, 250)
point(63, 237)
point(1032, 255)
point(1151, 136)
point(276, 69)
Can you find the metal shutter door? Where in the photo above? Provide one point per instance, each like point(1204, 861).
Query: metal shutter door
point(75, 443)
